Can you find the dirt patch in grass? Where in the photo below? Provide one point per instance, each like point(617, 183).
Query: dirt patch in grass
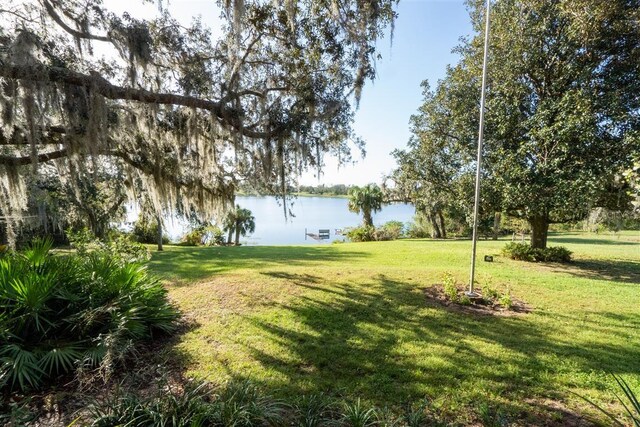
point(232, 294)
point(478, 306)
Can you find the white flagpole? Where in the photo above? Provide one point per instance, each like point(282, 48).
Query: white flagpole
point(479, 161)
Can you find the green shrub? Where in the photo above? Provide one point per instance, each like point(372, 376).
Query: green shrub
point(361, 234)
point(116, 245)
point(524, 252)
point(506, 301)
point(145, 231)
point(420, 227)
point(192, 238)
point(391, 230)
point(555, 254)
point(449, 287)
point(490, 294)
point(207, 235)
point(81, 311)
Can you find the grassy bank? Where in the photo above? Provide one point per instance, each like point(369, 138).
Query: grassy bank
point(353, 320)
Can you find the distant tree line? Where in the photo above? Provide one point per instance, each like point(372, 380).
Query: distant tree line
point(326, 190)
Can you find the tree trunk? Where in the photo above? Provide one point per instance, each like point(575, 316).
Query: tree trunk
point(237, 236)
point(539, 231)
point(159, 219)
point(94, 226)
point(368, 220)
point(443, 230)
point(229, 236)
point(496, 225)
point(434, 223)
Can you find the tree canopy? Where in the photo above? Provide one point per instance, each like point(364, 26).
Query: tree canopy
point(562, 122)
point(185, 112)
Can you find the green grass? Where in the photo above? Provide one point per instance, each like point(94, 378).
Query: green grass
point(352, 320)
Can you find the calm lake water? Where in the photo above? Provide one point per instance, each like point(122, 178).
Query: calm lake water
point(311, 214)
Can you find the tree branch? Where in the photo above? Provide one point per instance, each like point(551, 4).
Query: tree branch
point(27, 160)
point(82, 35)
point(227, 115)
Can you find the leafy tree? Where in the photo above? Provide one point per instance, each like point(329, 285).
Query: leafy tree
point(434, 172)
point(368, 200)
point(239, 221)
point(92, 199)
point(187, 114)
point(562, 108)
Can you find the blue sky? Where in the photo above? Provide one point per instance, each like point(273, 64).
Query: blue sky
point(425, 33)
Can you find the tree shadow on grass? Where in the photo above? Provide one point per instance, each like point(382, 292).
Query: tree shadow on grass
point(591, 241)
point(380, 341)
point(194, 263)
point(611, 270)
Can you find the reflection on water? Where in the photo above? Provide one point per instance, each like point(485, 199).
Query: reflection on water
point(310, 213)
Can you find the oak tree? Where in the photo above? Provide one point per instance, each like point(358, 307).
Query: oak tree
point(187, 112)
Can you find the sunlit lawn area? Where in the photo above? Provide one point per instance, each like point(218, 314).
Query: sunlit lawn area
point(352, 320)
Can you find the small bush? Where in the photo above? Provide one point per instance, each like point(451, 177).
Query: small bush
point(555, 254)
point(207, 235)
point(419, 228)
point(361, 234)
point(449, 287)
point(489, 293)
point(506, 301)
point(524, 252)
point(119, 246)
point(145, 231)
point(192, 238)
point(391, 230)
point(64, 313)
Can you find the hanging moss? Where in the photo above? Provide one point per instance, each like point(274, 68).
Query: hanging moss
point(277, 90)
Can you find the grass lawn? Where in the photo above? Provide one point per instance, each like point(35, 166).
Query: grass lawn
point(352, 320)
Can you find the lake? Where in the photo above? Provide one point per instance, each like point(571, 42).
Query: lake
point(311, 214)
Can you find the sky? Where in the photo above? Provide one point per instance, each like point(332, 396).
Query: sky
point(426, 31)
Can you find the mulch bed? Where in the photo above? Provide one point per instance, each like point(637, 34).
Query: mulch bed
point(436, 296)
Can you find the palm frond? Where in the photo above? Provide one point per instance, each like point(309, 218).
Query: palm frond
point(21, 366)
point(60, 360)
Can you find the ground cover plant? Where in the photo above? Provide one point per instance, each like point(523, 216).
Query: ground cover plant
point(352, 321)
point(79, 312)
point(242, 404)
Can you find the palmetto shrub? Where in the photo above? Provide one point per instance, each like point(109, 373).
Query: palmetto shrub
point(80, 311)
